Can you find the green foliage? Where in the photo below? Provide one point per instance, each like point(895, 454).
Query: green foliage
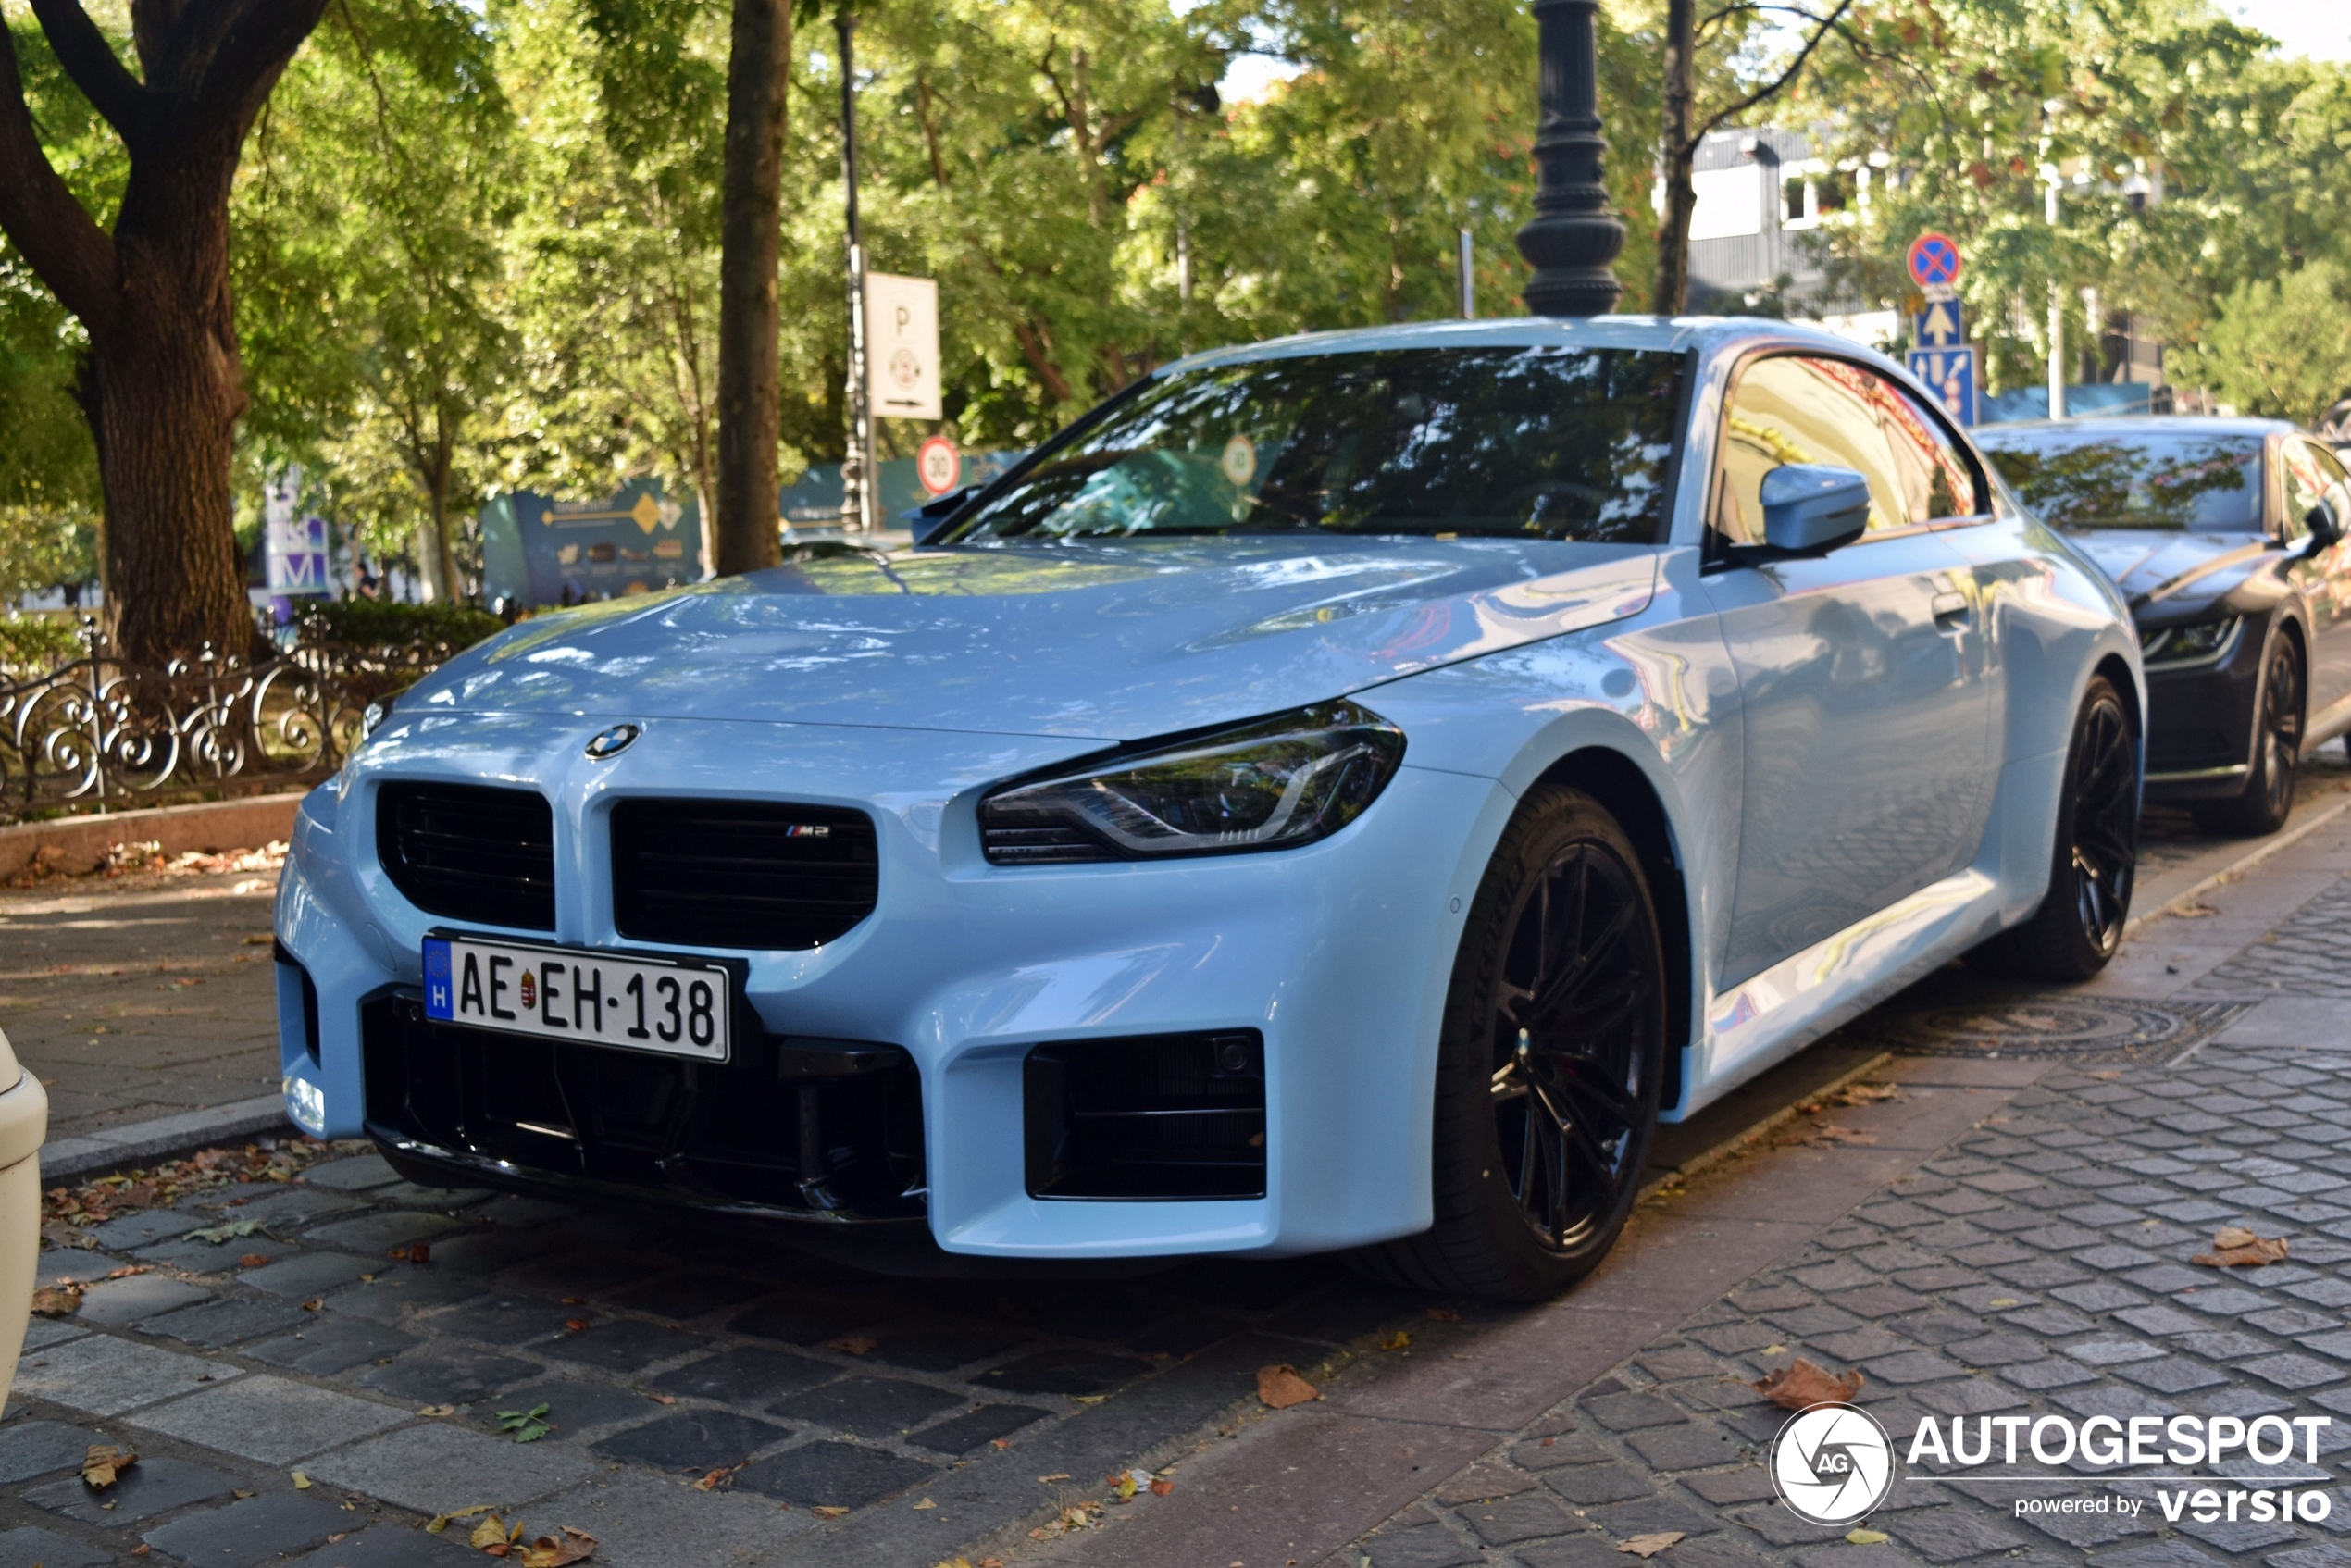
point(2282, 348)
point(381, 623)
point(32, 643)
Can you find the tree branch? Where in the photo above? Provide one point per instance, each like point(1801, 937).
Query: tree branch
point(59, 240)
point(1795, 67)
point(227, 56)
point(92, 64)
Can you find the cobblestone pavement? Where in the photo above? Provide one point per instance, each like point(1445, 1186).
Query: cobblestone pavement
point(140, 996)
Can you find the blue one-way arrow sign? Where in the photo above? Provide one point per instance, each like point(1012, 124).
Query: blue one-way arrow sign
point(1949, 374)
point(1940, 325)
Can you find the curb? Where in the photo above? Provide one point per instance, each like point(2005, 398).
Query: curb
point(139, 1143)
point(1754, 1132)
point(2267, 847)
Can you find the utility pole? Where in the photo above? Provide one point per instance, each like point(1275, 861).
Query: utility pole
point(1469, 279)
point(857, 474)
point(1572, 236)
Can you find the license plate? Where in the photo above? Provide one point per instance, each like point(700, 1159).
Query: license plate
point(577, 994)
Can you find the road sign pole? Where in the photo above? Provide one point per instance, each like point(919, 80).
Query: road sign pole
point(857, 474)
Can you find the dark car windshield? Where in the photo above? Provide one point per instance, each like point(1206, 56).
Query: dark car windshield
point(2156, 479)
point(1522, 443)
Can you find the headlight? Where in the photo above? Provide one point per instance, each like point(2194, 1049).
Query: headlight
point(1270, 784)
point(2190, 644)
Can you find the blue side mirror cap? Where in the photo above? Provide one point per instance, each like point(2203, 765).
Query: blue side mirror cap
point(1809, 508)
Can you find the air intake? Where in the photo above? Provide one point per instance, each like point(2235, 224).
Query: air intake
point(483, 855)
point(1162, 1116)
point(739, 874)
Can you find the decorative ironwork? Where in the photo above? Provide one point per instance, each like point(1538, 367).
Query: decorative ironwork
point(98, 734)
point(1572, 236)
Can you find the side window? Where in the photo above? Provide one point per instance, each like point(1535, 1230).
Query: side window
point(1794, 408)
point(2306, 487)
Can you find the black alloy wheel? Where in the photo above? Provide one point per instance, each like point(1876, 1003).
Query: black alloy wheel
point(2268, 799)
point(1551, 1063)
point(2079, 924)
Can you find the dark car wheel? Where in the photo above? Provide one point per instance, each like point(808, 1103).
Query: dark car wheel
point(2079, 924)
point(2268, 799)
point(1550, 1064)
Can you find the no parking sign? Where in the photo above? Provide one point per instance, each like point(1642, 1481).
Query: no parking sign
point(1934, 260)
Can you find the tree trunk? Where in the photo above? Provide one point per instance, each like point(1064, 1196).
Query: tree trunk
point(750, 422)
point(169, 389)
point(1671, 295)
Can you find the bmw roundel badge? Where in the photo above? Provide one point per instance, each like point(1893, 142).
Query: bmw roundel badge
point(612, 742)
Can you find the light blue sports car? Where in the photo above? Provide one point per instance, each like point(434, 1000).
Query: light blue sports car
point(1340, 793)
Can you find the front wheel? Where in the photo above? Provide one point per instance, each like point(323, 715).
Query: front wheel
point(1549, 1064)
point(2079, 926)
point(2267, 797)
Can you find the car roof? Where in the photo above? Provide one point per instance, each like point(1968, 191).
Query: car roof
point(2124, 425)
point(1672, 334)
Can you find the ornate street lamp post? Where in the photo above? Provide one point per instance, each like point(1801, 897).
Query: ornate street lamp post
point(1572, 238)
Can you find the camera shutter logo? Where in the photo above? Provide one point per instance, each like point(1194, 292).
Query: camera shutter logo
point(1832, 1465)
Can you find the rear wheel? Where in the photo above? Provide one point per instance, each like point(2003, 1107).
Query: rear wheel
point(2268, 799)
point(1550, 1064)
point(2079, 924)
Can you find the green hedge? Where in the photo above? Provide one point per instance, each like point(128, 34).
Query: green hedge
point(379, 621)
point(37, 642)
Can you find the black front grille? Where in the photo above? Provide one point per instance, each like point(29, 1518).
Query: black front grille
point(469, 852)
point(739, 874)
point(1148, 1116)
point(823, 1129)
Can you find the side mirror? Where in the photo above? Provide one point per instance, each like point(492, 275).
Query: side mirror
point(928, 520)
point(2325, 532)
point(1811, 508)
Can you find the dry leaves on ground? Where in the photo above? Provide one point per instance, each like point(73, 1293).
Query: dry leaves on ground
point(1278, 1387)
point(416, 1252)
point(1867, 1094)
point(2235, 1246)
point(1867, 1537)
point(1399, 1340)
point(103, 1463)
point(226, 1231)
point(1829, 1132)
point(852, 1344)
point(1648, 1545)
point(264, 1160)
point(61, 1300)
point(442, 1521)
point(1800, 1384)
point(825, 1511)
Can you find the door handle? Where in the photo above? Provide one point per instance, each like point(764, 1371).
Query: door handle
point(1951, 611)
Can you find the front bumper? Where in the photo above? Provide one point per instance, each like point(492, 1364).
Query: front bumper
point(2200, 742)
point(1336, 956)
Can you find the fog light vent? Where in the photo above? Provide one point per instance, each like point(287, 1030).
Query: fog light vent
point(1147, 1117)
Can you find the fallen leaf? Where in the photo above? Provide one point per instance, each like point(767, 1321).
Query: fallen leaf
point(253, 1260)
point(217, 1234)
point(312, 1304)
point(437, 1409)
point(1648, 1545)
point(101, 1463)
point(1278, 1387)
point(1056, 1475)
point(62, 1300)
point(1800, 1384)
point(1866, 1538)
point(1775, 1349)
point(524, 1425)
point(2196, 912)
point(576, 1325)
point(1443, 1314)
point(552, 1551)
point(824, 1510)
point(1123, 1486)
point(416, 1252)
point(1829, 1132)
point(1867, 1094)
point(140, 1550)
point(2235, 1246)
point(1398, 1340)
point(128, 1271)
point(302, 1482)
point(1999, 1301)
point(489, 1533)
point(442, 1520)
point(1160, 1488)
point(713, 1479)
point(239, 1492)
point(992, 1563)
point(998, 1443)
point(925, 1503)
point(852, 1344)
point(573, 1300)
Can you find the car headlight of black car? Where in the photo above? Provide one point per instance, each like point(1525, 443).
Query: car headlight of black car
point(1270, 784)
point(2204, 641)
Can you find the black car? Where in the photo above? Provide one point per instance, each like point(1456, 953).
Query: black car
point(2227, 538)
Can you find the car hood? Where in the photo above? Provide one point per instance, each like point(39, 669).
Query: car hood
point(2153, 566)
point(1116, 640)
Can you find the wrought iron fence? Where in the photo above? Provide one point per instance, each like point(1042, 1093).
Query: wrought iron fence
point(97, 734)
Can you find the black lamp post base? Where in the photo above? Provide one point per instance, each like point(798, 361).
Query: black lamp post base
point(1572, 236)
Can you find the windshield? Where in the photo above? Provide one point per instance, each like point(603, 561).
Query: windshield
point(1522, 443)
point(2159, 479)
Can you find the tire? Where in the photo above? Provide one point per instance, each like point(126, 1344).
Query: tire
point(2078, 927)
point(1545, 1102)
point(2267, 797)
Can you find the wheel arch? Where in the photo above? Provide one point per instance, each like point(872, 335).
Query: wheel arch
point(1619, 784)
